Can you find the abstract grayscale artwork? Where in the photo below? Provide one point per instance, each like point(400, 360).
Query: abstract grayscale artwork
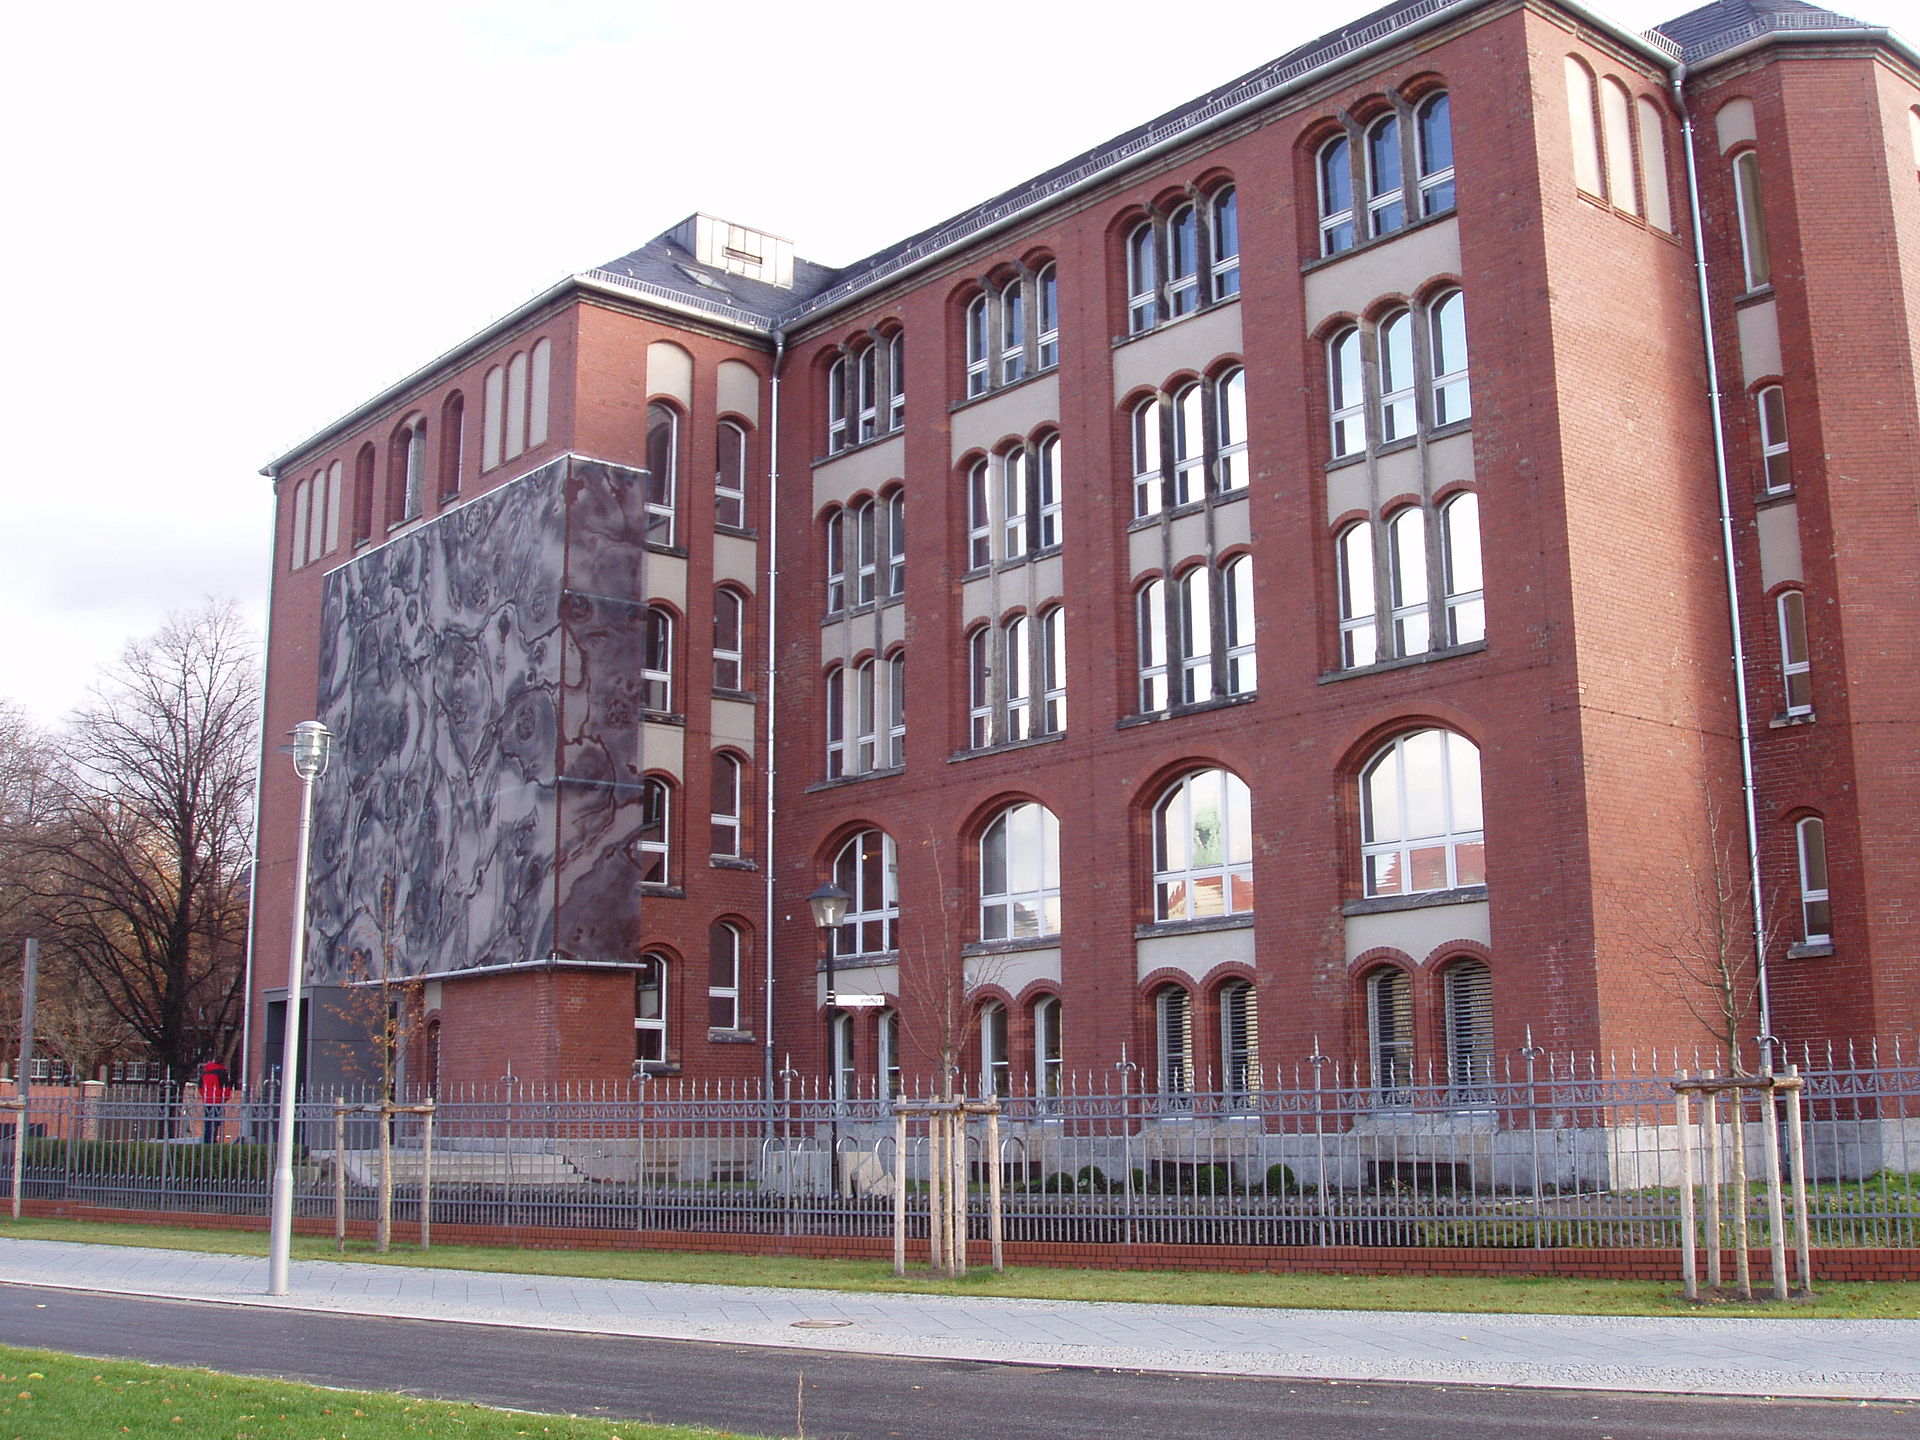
point(480, 672)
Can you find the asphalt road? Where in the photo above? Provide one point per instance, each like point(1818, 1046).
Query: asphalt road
point(850, 1397)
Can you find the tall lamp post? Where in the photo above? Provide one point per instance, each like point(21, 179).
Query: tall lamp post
point(312, 742)
point(829, 906)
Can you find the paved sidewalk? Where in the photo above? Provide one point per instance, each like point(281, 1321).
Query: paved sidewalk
point(1852, 1359)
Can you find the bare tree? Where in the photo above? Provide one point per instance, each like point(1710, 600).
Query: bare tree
point(141, 861)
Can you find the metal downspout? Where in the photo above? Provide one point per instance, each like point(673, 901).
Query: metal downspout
point(1749, 801)
point(772, 678)
point(259, 803)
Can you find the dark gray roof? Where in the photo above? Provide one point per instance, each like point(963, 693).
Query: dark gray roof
point(665, 269)
point(1704, 33)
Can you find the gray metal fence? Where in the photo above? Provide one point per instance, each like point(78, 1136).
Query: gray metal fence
point(1543, 1152)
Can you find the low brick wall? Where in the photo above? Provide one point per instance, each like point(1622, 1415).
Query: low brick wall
point(1657, 1265)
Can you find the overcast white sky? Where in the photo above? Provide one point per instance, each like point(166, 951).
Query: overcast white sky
point(234, 221)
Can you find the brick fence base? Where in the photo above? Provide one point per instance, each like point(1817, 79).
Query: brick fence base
point(1597, 1264)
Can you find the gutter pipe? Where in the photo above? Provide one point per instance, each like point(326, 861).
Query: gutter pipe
point(771, 768)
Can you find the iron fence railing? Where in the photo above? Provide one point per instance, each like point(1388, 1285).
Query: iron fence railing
point(1540, 1152)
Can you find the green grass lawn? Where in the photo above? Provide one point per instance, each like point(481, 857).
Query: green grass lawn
point(49, 1396)
point(1892, 1300)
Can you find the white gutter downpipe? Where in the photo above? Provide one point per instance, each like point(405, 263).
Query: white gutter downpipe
point(1749, 800)
point(771, 769)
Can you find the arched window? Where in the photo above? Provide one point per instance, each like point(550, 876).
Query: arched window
point(1189, 445)
point(1753, 228)
point(1420, 825)
point(663, 472)
point(1013, 332)
point(539, 386)
point(516, 405)
point(1053, 670)
point(979, 518)
point(1359, 617)
point(1143, 282)
point(298, 507)
point(723, 976)
point(1407, 551)
point(896, 544)
point(896, 380)
point(1226, 242)
point(1582, 119)
point(866, 719)
point(1016, 671)
point(835, 689)
point(1390, 1035)
point(1239, 1041)
point(1048, 1072)
point(1173, 1028)
point(866, 392)
point(1015, 480)
point(1183, 262)
point(1196, 635)
point(1447, 330)
point(1796, 664)
point(656, 660)
point(1020, 874)
point(1396, 377)
point(845, 1078)
point(897, 709)
point(887, 1054)
point(1236, 590)
point(1386, 198)
point(730, 475)
point(1346, 394)
point(1816, 908)
point(650, 1010)
point(1776, 459)
point(836, 535)
point(729, 639)
point(1046, 492)
point(866, 869)
point(864, 522)
point(1433, 137)
point(493, 412)
point(1046, 288)
point(1468, 986)
point(1150, 611)
point(996, 1068)
point(1203, 847)
point(453, 444)
point(1653, 165)
point(1335, 169)
point(837, 427)
point(725, 814)
point(1148, 492)
point(1464, 585)
point(979, 361)
point(363, 465)
point(1230, 430)
point(980, 688)
point(652, 838)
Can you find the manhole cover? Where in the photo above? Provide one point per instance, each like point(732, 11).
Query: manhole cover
point(820, 1324)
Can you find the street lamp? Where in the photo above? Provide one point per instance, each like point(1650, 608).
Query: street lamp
point(312, 742)
point(829, 906)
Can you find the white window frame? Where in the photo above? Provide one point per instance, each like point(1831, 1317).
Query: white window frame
point(1467, 996)
point(1024, 905)
point(1016, 661)
point(838, 431)
point(655, 967)
point(1796, 661)
point(1388, 849)
point(896, 381)
point(866, 719)
point(1230, 466)
point(662, 490)
point(1333, 168)
point(1011, 308)
point(866, 374)
point(1755, 256)
point(1187, 409)
point(869, 916)
point(1052, 718)
point(1236, 595)
point(723, 986)
point(1015, 489)
point(656, 659)
point(834, 687)
point(996, 1064)
point(979, 515)
point(1409, 582)
point(1463, 579)
point(980, 687)
point(1143, 278)
point(836, 527)
point(844, 1079)
point(1435, 170)
point(1046, 319)
point(1359, 601)
point(896, 502)
point(1398, 382)
point(1386, 193)
point(1452, 395)
point(729, 639)
point(886, 1059)
point(1195, 634)
point(1179, 878)
point(897, 709)
point(864, 535)
point(1149, 485)
point(730, 491)
point(1049, 1070)
point(655, 849)
point(1776, 456)
point(1816, 898)
point(1223, 211)
point(724, 819)
point(1183, 261)
point(1046, 483)
point(1347, 393)
point(1150, 615)
point(979, 362)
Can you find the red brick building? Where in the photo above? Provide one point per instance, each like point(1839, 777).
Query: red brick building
point(1349, 482)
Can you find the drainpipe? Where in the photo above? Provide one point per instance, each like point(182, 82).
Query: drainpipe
point(1755, 897)
point(768, 698)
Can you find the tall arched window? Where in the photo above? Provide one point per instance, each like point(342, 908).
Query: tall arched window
point(723, 976)
point(1386, 197)
point(1359, 615)
point(996, 1064)
point(845, 1078)
point(1203, 847)
point(663, 472)
point(1150, 612)
point(729, 639)
point(363, 466)
point(1048, 1072)
point(1396, 377)
point(866, 869)
point(1236, 588)
point(1776, 458)
point(730, 475)
point(653, 835)
point(725, 814)
point(1239, 1041)
point(887, 1054)
point(1753, 227)
point(1390, 1034)
point(979, 360)
point(1583, 121)
point(1468, 986)
point(1335, 169)
point(1149, 497)
point(453, 444)
point(1433, 144)
point(1447, 332)
point(1173, 1029)
point(1230, 430)
point(866, 718)
point(1796, 664)
point(1020, 874)
point(897, 709)
point(838, 430)
point(1653, 165)
point(1616, 126)
point(1052, 717)
point(1183, 261)
point(1196, 635)
point(656, 660)
point(1143, 280)
point(1013, 332)
point(1347, 394)
point(1407, 552)
point(1463, 581)
point(1189, 445)
point(650, 1010)
point(1226, 242)
point(1420, 825)
point(299, 506)
point(834, 687)
point(1816, 906)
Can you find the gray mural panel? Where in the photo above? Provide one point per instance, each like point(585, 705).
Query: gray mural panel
point(445, 663)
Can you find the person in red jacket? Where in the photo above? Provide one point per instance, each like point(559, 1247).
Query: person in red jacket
point(216, 1087)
